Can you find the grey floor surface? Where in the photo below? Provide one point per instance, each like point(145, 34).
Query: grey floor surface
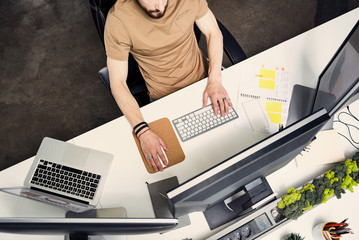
point(50, 54)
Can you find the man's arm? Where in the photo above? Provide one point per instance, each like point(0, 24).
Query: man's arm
point(150, 142)
point(214, 90)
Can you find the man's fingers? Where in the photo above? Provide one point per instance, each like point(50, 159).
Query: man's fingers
point(205, 99)
point(163, 158)
point(230, 102)
point(222, 107)
point(163, 144)
point(162, 155)
point(152, 149)
point(153, 164)
point(151, 161)
point(215, 107)
point(157, 162)
point(227, 103)
point(158, 165)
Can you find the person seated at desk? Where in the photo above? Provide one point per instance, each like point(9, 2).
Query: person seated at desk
point(160, 36)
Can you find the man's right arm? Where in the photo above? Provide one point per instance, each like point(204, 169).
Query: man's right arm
point(118, 71)
point(150, 142)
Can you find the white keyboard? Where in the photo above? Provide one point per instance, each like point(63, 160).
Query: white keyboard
point(200, 121)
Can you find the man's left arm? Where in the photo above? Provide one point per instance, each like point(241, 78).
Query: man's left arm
point(214, 90)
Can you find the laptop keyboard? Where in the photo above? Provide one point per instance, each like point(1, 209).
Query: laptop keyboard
point(200, 121)
point(66, 179)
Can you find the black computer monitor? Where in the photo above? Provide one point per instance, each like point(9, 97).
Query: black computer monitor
point(85, 226)
point(337, 86)
point(340, 78)
point(245, 170)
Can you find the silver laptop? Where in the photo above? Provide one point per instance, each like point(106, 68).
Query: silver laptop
point(65, 175)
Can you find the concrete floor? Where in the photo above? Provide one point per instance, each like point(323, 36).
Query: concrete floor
point(50, 54)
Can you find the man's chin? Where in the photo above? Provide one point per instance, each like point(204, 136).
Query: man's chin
point(153, 14)
point(156, 15)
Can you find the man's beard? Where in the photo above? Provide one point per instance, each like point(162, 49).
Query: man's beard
point(156, 14)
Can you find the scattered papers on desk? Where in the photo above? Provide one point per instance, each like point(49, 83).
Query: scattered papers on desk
point(325, 149)
point(263, 99)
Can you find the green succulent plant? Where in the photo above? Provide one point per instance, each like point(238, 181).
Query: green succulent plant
point(343, 176)
point(294, 236)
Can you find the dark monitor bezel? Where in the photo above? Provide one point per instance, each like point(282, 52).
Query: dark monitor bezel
point(351, 91)
point(89, 226)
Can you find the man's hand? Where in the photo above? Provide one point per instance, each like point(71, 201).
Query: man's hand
point(214, 90)
point(151, 146)
point(218, 95)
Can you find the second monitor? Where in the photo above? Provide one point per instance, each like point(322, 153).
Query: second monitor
point(207, 191)
point(338, 84)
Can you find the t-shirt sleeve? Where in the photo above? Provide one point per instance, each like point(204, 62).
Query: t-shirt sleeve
point(202, 8)
point(116, 38)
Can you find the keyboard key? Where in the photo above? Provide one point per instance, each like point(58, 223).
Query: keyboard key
point(69, 169)
point(41, 167)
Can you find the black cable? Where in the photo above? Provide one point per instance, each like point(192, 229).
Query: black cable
point(350, 114)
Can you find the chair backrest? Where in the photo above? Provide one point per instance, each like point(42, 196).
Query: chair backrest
point(99, 10)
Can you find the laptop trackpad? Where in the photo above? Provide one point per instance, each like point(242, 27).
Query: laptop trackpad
point(75, 156)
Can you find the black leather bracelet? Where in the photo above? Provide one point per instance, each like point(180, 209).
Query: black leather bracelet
point(137, 131)
point(141, 123)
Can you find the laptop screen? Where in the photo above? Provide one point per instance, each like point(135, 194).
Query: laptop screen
point(339, 80)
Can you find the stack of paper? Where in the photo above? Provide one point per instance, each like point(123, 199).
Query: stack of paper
point(264, 98)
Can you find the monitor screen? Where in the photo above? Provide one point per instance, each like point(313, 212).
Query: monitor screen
point(90, 226)
point(225, 179)
point(339, 81)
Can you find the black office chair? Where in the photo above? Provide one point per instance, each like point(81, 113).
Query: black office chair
point(135, 81)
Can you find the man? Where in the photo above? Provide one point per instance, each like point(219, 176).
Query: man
point(160, 36)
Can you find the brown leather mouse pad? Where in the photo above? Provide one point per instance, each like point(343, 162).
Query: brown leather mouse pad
point(163, 128)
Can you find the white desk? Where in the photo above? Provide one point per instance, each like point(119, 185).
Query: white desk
point(303, 56)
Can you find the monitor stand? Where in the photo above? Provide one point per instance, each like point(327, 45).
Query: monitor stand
point(119, 212)
point(159, 200)
point(250, 197)
point(301, 104)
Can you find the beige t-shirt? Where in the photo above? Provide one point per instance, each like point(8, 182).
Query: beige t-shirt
point(166, 49)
